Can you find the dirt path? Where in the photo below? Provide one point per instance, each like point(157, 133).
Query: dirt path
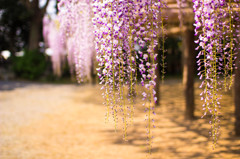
point(42, 121)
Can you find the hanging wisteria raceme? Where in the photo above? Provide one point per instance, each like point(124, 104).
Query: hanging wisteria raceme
point(104, 37)
point(110, 34)
point(66, 29)
point(119, 26)
point(150, 22)
point(51, 36)
point(231, 46)
point(77, 28)
point(215, 28)
point(46, 23)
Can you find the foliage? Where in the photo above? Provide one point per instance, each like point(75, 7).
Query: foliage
point(14, 25)
point(30, 66)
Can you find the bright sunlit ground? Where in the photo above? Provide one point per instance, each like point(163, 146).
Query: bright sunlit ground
point(47, 121)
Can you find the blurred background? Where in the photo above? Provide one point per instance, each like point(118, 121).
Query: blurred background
point(24, 54)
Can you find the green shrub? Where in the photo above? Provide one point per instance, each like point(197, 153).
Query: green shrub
point(30, 66)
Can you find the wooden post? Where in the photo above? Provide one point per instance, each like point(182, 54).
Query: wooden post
point(158, 79)
point(93, 70)
point(188, 72)
point(237, 96)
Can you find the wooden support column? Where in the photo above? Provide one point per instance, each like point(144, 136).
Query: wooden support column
point(237, 96)
point(93, 70)
point(158, 79)
point(188, 72)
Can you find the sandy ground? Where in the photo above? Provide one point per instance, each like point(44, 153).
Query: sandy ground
point(46, 121)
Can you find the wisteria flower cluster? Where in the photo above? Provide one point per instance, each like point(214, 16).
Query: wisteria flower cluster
point(119, 26)
point(77, 31)
point(215, 26)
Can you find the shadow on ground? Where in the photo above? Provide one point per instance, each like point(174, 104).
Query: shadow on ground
point(177, 138)
point(11, 85)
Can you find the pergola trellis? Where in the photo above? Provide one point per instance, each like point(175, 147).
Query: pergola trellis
point(180, 22)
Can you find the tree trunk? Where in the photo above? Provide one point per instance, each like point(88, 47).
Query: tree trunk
point(34, 35)
point(37, 14)
point(237, 96)
point(188, 72)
